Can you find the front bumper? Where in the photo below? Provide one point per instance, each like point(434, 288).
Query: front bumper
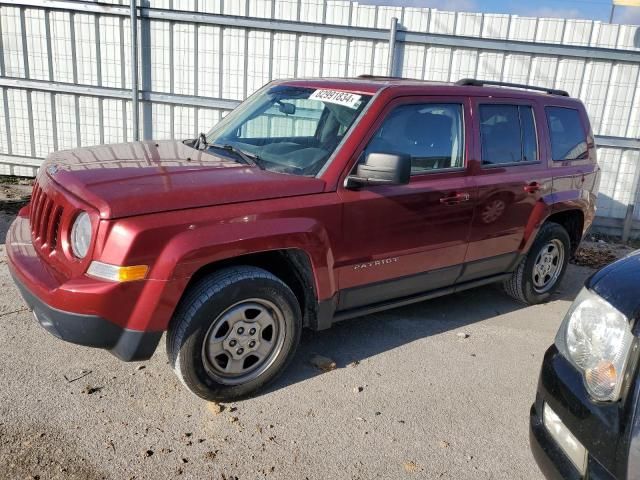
point(45, 292)
point(600, 427)
point(91, 330)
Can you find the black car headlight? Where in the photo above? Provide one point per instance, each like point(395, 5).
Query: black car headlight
point(596, 338)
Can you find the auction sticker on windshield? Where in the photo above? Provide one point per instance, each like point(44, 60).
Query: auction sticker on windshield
point(333, 96)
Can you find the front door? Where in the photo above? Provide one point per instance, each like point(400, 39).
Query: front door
point(402, 240)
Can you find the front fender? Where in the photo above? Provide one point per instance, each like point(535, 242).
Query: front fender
point(194, 248)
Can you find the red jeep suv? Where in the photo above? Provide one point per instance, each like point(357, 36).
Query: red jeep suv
point(313, 202)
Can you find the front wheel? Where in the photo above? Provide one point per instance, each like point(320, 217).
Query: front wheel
point(540, 272)
point(234, 332)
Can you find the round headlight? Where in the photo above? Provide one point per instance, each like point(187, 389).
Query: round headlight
point(81, 235)
point(598, 338)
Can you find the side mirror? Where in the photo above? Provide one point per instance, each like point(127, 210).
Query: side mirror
point(382, 169)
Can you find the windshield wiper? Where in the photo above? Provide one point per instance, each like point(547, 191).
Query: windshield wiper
point(248, 158)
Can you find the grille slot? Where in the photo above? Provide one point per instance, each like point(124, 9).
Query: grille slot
point(45, 218)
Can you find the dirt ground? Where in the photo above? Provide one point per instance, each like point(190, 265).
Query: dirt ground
point(440, 389)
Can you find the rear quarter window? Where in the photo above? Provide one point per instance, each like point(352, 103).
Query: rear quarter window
point(568, 136)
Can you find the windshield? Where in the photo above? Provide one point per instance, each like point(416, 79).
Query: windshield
point(290, 129)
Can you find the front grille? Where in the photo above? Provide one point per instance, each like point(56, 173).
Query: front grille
point(45, 220)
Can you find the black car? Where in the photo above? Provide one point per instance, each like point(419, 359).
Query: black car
point(585, 422)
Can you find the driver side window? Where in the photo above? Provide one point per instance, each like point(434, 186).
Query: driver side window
point(431, 133)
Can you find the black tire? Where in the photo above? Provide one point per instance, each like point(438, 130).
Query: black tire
point(206, 301)
point(521, 285)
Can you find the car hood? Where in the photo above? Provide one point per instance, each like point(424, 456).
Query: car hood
point(619, 284)
point(148, 177)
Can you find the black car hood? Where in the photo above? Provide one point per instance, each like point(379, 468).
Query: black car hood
point(619, 284)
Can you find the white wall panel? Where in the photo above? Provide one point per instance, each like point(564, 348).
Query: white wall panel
point(594, 90)
point(312, 11)
point(286, 10)
point(309, 48)
point(605, 35)
point(19, 121)
point(90, 132)
point(210, 6)
point(85, 28)
point(209, 59)
point(543, 70)
point(463, 64)
point(550, 30)
point(258, 60)
point(66, 122)
point(159, 56)
point(469, 24)
point(577, 32)
point(4, 141)
point(516, 68)
point(284, 48)
point(233, 53)
point(183, 59)
point(42, 123)
point(184, 125)
point(113, 122)
point(415, 19)
point(161, 121)
point(442, 22)
point(490, 66)
point(110, 52)
point(335, 55)
point(495, 26)
point(523, 29)
point(380, 58)
point(260, 8)
point(61, 46)
point(36, 44)
point(360, 57)
point(622, 86)
point(11, 41)
point(413, 61)
point(338, 12)
point(438, 64)
point(385, 14)
point(570, 75)
point(364, 15)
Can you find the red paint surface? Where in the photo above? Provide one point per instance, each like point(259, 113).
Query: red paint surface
point(176, 209)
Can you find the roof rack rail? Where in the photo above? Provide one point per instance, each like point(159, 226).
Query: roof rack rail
point(481, 83)
point(380, 77)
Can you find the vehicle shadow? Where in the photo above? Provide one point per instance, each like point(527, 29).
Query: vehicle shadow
point(358, 339)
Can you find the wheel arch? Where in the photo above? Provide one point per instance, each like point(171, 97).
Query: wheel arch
point(291, 265)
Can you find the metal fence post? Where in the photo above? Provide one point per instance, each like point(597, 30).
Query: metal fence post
point(134, 71)
point(392, 47)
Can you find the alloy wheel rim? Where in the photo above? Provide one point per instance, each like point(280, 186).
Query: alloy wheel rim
point(243, 341)
point(548, 266)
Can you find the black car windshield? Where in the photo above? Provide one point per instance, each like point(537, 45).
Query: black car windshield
point(289, 129)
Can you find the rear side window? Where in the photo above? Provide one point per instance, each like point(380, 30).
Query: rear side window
point(508, 134)
point(568, 137)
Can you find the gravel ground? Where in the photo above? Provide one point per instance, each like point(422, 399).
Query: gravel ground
point(411, 398)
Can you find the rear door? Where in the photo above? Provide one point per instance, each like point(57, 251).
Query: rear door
point(405, 239)
point(511, 173)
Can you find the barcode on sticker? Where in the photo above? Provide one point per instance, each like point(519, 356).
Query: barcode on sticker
point(334, 96)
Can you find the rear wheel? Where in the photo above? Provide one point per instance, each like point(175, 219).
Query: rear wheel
point(234, 332)
point(540, 272)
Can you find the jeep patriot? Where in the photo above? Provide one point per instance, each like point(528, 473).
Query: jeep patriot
point(313, 202)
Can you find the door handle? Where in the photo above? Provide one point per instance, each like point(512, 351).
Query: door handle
point(532, 187)
point(455, 198)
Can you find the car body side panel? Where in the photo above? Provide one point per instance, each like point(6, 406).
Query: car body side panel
point(177, 244)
